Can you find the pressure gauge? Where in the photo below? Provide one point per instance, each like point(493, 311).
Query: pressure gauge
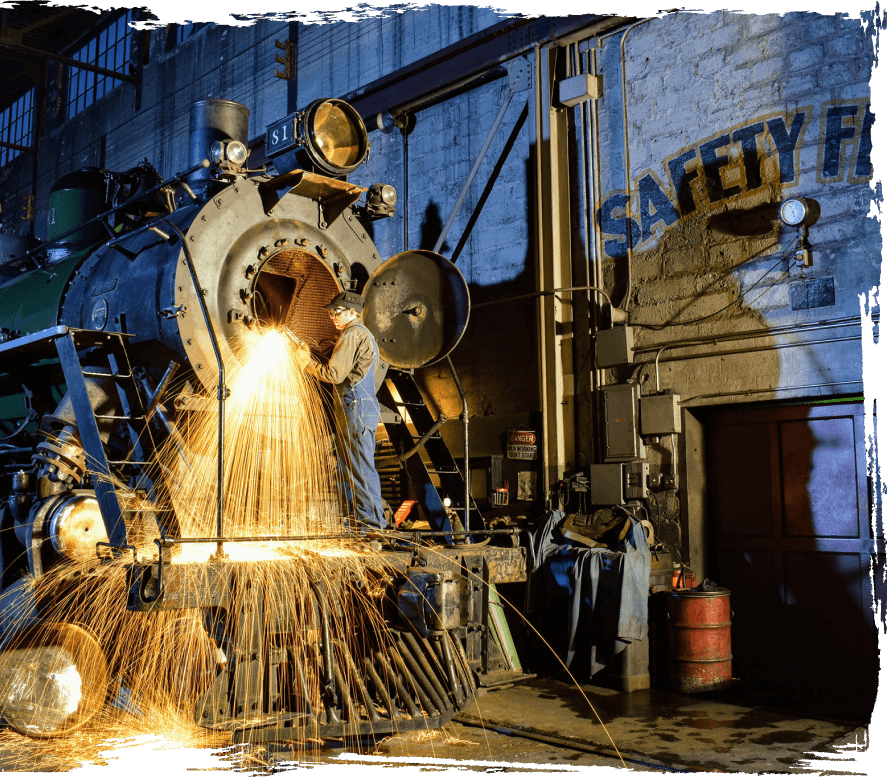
point(799, 211)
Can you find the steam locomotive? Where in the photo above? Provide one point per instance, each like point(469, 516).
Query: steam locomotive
point(142, 279)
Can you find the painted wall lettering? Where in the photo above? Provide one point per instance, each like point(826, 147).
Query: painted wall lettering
point(863, 168)
point(612, 224)
point(680, 180)
point(654, 206)
point(747, 137)
point(837, 132)
point(846, 145)
point(734, 163)
point(786, 142)
point(713, 162)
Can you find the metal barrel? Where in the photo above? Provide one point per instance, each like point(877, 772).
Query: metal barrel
point(699, 640)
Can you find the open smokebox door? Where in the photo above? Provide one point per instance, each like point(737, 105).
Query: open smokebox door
point(417, 307)
point(416, 304)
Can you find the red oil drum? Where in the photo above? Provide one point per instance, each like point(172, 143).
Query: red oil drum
point(699, 640)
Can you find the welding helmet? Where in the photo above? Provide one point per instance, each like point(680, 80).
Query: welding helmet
point(345, 299)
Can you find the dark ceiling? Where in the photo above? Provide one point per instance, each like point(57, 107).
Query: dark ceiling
point(30, 33)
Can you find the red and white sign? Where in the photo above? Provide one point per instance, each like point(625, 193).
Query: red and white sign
point(522, 445)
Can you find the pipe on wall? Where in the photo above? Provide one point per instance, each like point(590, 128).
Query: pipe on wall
point(405, 132)
point(752, 333)
point(685, 402)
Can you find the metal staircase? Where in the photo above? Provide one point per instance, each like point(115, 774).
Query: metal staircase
point(431, 469)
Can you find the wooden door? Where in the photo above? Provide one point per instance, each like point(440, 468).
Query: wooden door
point(792, 539)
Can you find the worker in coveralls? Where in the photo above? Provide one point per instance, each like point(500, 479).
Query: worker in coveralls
point(351, 369)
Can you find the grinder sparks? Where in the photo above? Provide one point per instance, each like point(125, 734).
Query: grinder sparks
point(274, 636)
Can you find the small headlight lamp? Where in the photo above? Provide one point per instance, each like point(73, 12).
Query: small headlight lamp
point(228, 153)
point(236, 153)
point(217, 152)
point(381, 199)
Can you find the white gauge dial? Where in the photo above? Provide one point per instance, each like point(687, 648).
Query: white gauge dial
point(794, 211)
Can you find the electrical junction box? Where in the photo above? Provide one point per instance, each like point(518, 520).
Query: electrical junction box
point(660, 414)
point(622, 440)
point(486, 476)
point(607, 484)
point(579, 89)
point(613, 347)
point(636, 473)
point(613, 484)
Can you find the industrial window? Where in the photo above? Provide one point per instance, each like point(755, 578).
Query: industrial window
point(109, 50)
point(16, 123)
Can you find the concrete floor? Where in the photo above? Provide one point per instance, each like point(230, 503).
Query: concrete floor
point(653, 731)
point(666, 729)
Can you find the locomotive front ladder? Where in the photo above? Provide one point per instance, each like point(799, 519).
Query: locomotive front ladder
point(71, 346)
point(438, 477)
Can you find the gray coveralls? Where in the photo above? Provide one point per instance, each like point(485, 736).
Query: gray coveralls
point(352, 372)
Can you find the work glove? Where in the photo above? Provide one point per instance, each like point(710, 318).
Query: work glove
point(303, 357)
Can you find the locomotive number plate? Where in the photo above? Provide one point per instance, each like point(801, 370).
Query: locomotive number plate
point(281, 135)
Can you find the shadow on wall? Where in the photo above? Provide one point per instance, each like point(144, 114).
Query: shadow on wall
point(496, 358)
point(432, 226)
point(777, 486)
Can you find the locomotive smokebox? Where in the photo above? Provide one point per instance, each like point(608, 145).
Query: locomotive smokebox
point(211, 121)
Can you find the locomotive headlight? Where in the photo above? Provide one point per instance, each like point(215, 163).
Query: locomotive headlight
point(53, 679)
point(337, 134)
point(328, 137)
point(236, 153)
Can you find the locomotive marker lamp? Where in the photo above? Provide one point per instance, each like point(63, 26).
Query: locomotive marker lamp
point(381, 199)
point(328, 137)
point(228, 157)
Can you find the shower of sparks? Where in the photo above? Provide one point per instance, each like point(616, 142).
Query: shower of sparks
point(140, 673)
point(279, 454)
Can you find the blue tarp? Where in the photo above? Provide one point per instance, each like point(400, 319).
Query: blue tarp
point(591, 602)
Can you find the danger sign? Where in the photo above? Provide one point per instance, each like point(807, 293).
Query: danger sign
point(522, 445)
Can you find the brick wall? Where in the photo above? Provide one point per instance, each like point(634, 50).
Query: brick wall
point(749, 110)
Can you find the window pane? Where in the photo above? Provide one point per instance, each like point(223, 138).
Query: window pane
point(109, 49)
point(15, 126)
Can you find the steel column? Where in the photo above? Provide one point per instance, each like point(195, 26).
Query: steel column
point(553, 270)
